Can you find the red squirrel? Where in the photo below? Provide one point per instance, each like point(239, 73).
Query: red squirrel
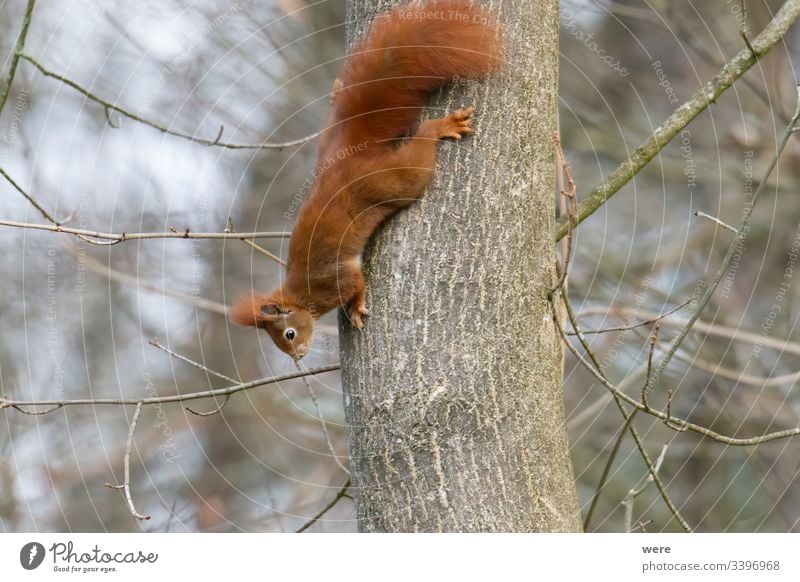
point(372, 161)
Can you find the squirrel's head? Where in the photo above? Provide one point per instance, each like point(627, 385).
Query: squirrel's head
point(289, 325)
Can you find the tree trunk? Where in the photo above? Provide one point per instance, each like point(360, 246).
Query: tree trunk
point(453, 389)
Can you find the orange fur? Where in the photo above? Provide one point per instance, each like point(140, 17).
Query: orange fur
point(371, 162)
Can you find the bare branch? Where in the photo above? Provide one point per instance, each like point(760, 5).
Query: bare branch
point(572, 209)
point(9, 403)
point(715, 329)
point(628, 418)
point(635, 492)
point(668, 420)
point(341, 493)
point(212, 412)
point(109, 239)
point(256, 247)
point(113, 107)
point(607, 470)
point(730, 72)
point(676, 423)
point(264, 252)
point(744, 27)
point(154, 342)
point(126, 484)
point(122, 237)
point(649, 378)
point(649, 321)
point(716, 220)
point(107, 112)
point(323, 422)
point(740, 377)
point(137, 283)
point(28, 197)
point(19, 47)
point(737, 241)
point(35, 412)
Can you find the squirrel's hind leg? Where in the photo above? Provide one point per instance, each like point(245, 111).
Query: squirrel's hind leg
point(357, 308)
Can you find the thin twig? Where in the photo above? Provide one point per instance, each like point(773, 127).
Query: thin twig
point(635, 492)
point(256, 247)
point(155, 343)
point(714, 329)
point(28, 197)
point(113, 274)
point(746, 39)
point(649, 321)
point(578, 332)
point(122, 237)
point(35, 203)
point(641, 526)
point(341, 493)
point(716, 220)
point(680, 423)
point(607, 470)
point(107, 112)
point(126, 484)
point(8, 403)
point(572, 209)
point(702, 49)
point(18, 48)
point(739, 377)
point(648, 378)
point(709, 93)
point(132, 281)
point(57, 225)
point(628, 418)
point(264, 252)
point(322, 422)
point(668, 420)
point(216, 410)
point(219, 135)
point(744, 27)
point(736, 243)
point(113, 107)
point(109, 239)
point(36, 412)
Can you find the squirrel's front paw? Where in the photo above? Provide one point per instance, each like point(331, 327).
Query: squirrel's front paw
point(356, 313)
point(457, 124)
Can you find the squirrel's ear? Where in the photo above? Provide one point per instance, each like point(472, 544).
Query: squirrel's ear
point(271, 311)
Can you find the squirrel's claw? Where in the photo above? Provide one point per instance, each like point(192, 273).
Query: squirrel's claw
point(356, 314)
point(457, 124)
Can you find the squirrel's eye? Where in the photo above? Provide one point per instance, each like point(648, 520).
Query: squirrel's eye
point(289, 334)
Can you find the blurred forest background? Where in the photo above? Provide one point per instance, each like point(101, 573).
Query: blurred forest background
point(78, 318)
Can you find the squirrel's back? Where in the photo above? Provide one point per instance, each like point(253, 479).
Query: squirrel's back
point(408, 53)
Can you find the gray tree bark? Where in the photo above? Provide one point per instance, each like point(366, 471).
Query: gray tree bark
point(453, 392)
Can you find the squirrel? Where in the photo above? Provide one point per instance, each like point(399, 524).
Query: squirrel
point(372, 161)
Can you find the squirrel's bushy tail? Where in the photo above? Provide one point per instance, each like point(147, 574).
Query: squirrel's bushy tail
point(407, 54)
